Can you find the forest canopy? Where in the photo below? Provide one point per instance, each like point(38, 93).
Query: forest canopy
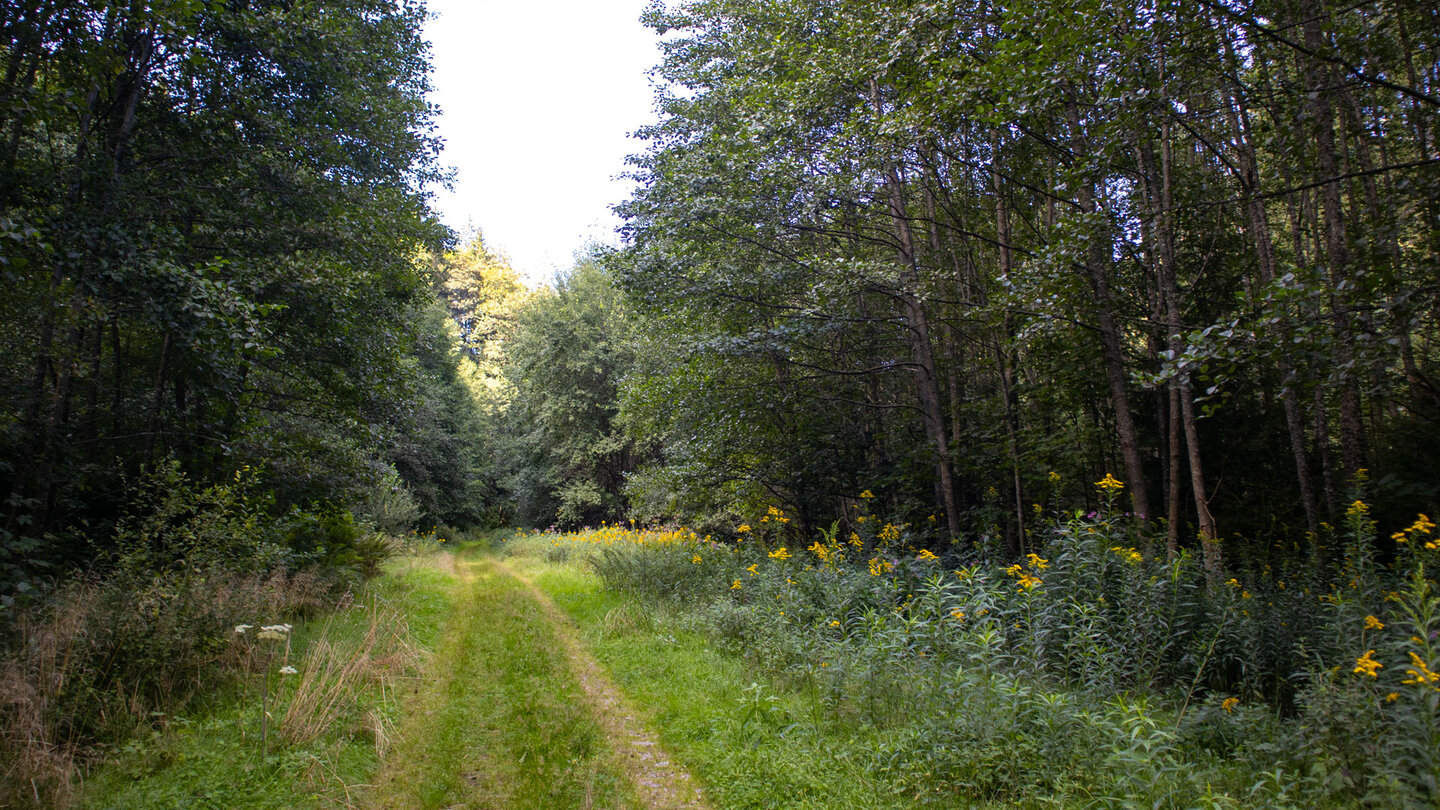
point(953, 253)
point(211, 225)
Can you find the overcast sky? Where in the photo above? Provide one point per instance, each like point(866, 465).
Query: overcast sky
point(537, 99)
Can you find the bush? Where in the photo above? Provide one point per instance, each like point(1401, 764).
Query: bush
point(139, 638)
point(1088, 667)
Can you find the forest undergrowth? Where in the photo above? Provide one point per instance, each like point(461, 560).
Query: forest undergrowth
point(1093, 672)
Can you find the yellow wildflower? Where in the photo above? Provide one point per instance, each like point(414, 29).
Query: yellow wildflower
point(867, 494)
point(1110, 484)
point(957, 614)
point(1367, 665)
point(879, 566)
point(735, 586)
point(855, 540)
point(1054, 477)
point(695, 559)
point(1372, 623)
point(1358, 508)
point(744, 527)
point(1392, 697)
point(1420, 674)
point(780, 554)
point(926, 555)
point(1037, 562)
point(1229, 704)
point(834, 622)
point(1027, 582)
point(752, 568)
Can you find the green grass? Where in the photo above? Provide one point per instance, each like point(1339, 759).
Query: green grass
point(500, 722)
point(488, 716)
point(212, 757)
point(752, 741)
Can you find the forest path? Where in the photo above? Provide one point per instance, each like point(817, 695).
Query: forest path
point(660, 782)
point(513, 711)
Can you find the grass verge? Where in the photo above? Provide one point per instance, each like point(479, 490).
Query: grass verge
point(330, 722)
point(752, 741)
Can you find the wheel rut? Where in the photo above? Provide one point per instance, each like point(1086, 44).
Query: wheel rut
point(659, 781)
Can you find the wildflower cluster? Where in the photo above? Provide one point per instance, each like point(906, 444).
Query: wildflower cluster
point(1367, 665)
point(1025, 579)
point(1110, 484)
point(1134, 557)
point(1417, 530)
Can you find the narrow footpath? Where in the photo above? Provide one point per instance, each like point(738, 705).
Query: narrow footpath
point(513, 711)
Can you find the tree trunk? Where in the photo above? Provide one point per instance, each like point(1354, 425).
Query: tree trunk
point(1320, 81)
point(1097, 266)
point(918, 329)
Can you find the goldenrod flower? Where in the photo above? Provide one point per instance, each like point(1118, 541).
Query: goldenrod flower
point(1229, 704)
point(1372, 623)
point(1037, 562)
point(1110, 484)
point(780, 554)
point(1358, 508)
point(1367, 665)
point(695, 559)
point(735, 586)
point(744, 527)
point(834, 622)
point(1420, 673)
point(1392, 697)
point(1054, 477)
point(867, 494)
point(752, 570)
point(879, 566)
point(926, 555)
point(1027, 582)
point(957, 614)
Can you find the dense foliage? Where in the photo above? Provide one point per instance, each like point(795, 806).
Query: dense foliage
point(1085, 674)
point(943, 249)
point(210, 218)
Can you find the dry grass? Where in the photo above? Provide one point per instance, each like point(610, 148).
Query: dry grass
point(336, 668)
point(106, 658)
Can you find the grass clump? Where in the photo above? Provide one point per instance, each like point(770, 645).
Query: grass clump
point(148, 634)
point(332, 718)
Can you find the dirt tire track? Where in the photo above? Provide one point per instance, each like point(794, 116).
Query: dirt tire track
point(660, 782)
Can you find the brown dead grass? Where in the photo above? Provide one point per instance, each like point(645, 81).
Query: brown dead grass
point(73, 657)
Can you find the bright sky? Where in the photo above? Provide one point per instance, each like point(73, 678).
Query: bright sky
point(538, 98)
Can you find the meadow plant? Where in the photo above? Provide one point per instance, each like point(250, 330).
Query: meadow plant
point(1285, 682)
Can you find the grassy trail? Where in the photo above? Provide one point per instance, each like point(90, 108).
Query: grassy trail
point(513, 712)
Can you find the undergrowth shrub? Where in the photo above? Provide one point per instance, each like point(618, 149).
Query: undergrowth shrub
point(152, 627)
point(1090, 667)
